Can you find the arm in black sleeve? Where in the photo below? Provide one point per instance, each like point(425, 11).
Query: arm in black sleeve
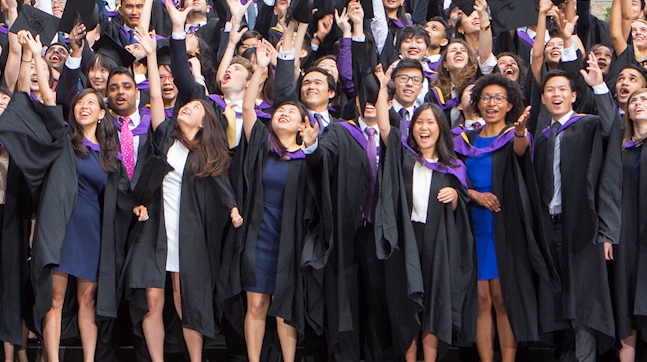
point(584, 102)
point(264, 19)
point(67, 88)
point(583, 23)
point(284, 88)
point(181, 70)
point(86, 56)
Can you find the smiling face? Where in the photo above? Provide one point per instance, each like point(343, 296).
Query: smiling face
point(629, 80)
point(191, 116)
point(88, 111)
point(497, 105)
point(457, 57)
point(425, 131)
point(470, 24)
point(508, 67)
point(234, 79)
point(169, 90)
point(391, 5)
point(408, 84)
point(330, 65)
point(315, 93)
point(286, 120)
point(98, 77)
point(558, 96)
point(122, 94)
point(56, 56)
point(553, 50)
point(57, 7)
point(131, 11)
point(33, 84)
point(413, 48)
point(639, 34)
point(637, 107)
point(604, 57)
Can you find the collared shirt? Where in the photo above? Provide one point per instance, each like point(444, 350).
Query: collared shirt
point(470, 123)
point(555, 206)
point(135, 118)
point(238, 108)
point(376, 136)
point(397, 107)
point(187, 27)
point(325, 117)
point(422, 176)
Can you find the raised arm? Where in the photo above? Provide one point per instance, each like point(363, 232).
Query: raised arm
point(485, 34)
point(620, 25)
point(40, 65)
point(12, 68)
point(249, 100)
point(344, 56)
point(234, 38)
point(382, 104)
point(540, 40)
point(298, 45)
point(149, 43)
point(145, 19)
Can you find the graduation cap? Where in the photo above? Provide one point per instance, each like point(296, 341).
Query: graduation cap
point(467, 6)
point(300, 10)
point(512, 14)
point(79, 11)
point(369, 88)
point(37, 22)
point(109, 47)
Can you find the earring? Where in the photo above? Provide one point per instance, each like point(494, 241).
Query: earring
point(99, 121)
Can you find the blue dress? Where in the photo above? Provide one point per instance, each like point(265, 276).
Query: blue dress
point(269, 234)
point(82, 244)
point(479, 171)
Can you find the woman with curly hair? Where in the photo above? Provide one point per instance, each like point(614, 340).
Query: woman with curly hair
point(503, 211)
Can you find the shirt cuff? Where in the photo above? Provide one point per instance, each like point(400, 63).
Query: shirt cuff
point(289, 55)
point(310, 149)
point(314, 47)
point(488, 65)
point(178, 36)
point(269, 2)
point(73, 63)
point(569, 54)
point(600, 89)
point(359, 39)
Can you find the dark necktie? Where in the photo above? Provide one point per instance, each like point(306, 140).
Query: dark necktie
point(371, 154)
point(193, 28)
point(319, 119)
point(477, 125)
point(549, 177)
point(404, 124)
point(131, 37)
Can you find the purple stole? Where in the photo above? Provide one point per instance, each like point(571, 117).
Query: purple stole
point(525, 37)
point(458, 130)
point(356, 132)
point(143, 85)
point(463, 146)
point(458, 170)
point(95, 147)
point(631, 144)
point(4, 30)
point(441, 99)
point(259, 112)
point(293, 155)
point(141, 129)
point(146, 110)
point(546, 131)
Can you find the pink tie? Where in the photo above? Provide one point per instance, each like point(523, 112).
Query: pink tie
point(127, 146)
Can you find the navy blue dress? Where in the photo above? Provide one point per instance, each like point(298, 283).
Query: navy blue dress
point(479, 171)
point(82, 244)
point(269, 234)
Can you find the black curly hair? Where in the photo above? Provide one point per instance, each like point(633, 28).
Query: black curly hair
point(513, 93)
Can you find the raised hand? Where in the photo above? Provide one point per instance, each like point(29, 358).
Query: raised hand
point(480, 6)
point(34, 45)
point(238, 10)
point(324, 26)
point(343, 22)
point(178, 17)
point(148, 42)
point(565, 27)
point(263, 54)
point(309, 133)
point(592, 75)
point(77, 37)
point(382, 76)
point(520, 124)
point(356, 12)
point(235, 35)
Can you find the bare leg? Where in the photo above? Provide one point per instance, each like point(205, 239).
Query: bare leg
point(429, 346)
point(628, 350)
point(257, 306)
point(153, 324)
point(506, 337)
point(412, 352)
point(8, 352)
point(193, 339)
point(86, 294)
point(22, 352)
point(288, 339)
point(52, 319)
point(484, 323)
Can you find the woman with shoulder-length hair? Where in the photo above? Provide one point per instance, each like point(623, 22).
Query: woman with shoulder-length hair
point(504, 210)
point(435, 184)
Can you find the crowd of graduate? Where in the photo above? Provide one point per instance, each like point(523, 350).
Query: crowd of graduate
point(370, 179)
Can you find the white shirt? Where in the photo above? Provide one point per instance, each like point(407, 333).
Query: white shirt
point(470, 123)
point(187, 27)
point(397, 107)
point(325, 117)
point(172, 193)
point(555, 206)
point(135, 119)
point(420, 191)
point(376, 136)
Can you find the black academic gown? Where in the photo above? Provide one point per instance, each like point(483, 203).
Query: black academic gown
point(522, 251)
point(447, 254)
point(204, 213)
point(44, 154)
point(582, 261)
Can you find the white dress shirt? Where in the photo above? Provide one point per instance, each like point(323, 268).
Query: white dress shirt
point(555, 206)
point(421, 188)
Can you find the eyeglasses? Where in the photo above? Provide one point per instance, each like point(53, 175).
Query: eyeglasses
point(403, 78)
point(497, 99)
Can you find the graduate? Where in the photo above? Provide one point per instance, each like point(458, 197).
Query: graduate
point(511, 251)
point(192, 206)
point(423, 164)
point(91, 199)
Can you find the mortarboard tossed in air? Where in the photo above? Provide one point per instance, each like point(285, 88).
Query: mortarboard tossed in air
point(37, 22)
point(512, 14)
point(79, 11)
point(107, 46)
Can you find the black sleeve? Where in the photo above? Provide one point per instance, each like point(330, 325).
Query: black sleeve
point(264, 19)
point(584, 102)
point(284, 88)
point(181, 71)
point(86, 56)
point(67, 87)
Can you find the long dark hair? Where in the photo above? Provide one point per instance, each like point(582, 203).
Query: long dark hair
point(630, 131)
point(274, 140)
point(106, 134)
point(210, 149)
point(444, 80)
point(513, 94)
point(445, 143)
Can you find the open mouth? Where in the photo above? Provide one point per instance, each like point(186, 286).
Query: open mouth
point(284, 119)
point(459, 58)
point(491, 113)
point(508, 71)
point(623, 92)
point(425, 137)
point(556, 53)
point(557, 102)
point(120, 101)
point(602, 65)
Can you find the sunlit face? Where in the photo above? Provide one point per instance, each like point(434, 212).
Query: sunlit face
point(169, 90)
point(88, 111)
point(192, 44)
point(497, 106)
point(508, 67)
point(390, 5)
point(466, 98)
point(234, 79)
point(413, 48)
point(33, 85)
point(637, 107)
point(314, 90)
point(248, 43)
point(436, 32)
point(131, 11)
point(191, 115)
point(604, 55)
point(629, 80)
point(639, 34)
point(553, 50)
point(330, 66)
point(56, 56)
point(57, 7)
point(98, 77)
point(425, 130)
point(408, 84)
point(370, 112)
point(122, 94)
point(471, 24)
point(457, 57)
point(558, 96)
point(4, 101)
point(287, 119)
